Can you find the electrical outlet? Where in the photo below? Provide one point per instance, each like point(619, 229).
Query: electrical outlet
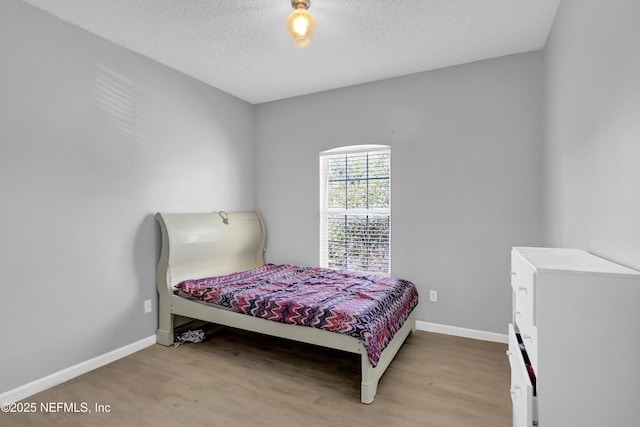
point(433, 296)
point(147, 306)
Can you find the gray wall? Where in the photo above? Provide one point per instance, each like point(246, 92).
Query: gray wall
point(592, 128)
point(94, 140)
point(466, 160)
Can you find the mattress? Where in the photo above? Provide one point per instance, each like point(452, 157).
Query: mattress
point(368, 307)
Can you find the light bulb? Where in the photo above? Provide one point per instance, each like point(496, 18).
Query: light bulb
point(301, 25)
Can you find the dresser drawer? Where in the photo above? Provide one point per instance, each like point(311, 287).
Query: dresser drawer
point(529, 337)
point(523, 284)
point(524, 402)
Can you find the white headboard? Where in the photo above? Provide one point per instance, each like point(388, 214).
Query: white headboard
point(199, 245)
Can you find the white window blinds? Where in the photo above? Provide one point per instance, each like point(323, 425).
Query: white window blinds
point(355, 209)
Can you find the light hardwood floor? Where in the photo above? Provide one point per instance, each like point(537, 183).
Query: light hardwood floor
point(239, 378)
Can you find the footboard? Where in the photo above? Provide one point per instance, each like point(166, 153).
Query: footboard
point(371, 375)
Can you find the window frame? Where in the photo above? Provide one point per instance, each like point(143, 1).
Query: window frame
point(326, 211)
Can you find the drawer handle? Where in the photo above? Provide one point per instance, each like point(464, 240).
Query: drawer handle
point(515, 390)
point(523, 289)
point(526, 337)
point(517, 314)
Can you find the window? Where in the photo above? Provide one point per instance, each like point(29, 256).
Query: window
point(355, 208)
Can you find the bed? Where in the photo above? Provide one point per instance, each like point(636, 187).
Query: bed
point(199, 246)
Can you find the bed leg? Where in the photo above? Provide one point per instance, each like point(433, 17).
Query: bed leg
point(369, 384)
point(164, 334)
point(368, 392)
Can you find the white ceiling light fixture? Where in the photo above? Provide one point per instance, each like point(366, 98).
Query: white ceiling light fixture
point(301, 24)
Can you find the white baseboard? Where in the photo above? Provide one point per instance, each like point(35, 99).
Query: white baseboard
point(59, 377)
point(461, 332)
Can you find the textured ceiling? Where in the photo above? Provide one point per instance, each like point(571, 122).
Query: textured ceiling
point(243, 48)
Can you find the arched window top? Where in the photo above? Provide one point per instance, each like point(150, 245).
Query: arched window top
point(354, 149)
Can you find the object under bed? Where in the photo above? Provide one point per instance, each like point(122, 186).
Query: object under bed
point(368, 307)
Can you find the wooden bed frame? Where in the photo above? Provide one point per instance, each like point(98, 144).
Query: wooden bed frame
point(198, 245)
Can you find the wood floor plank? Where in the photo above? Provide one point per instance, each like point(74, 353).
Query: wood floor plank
point(238, 378)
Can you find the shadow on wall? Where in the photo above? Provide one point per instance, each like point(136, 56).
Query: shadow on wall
point(122, 102)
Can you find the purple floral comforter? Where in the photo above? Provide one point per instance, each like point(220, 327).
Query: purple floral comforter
point(368, 307)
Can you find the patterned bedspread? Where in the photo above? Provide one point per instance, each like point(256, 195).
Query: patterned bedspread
point(368, 307)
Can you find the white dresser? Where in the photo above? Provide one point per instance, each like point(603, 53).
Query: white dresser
point(578, 317)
